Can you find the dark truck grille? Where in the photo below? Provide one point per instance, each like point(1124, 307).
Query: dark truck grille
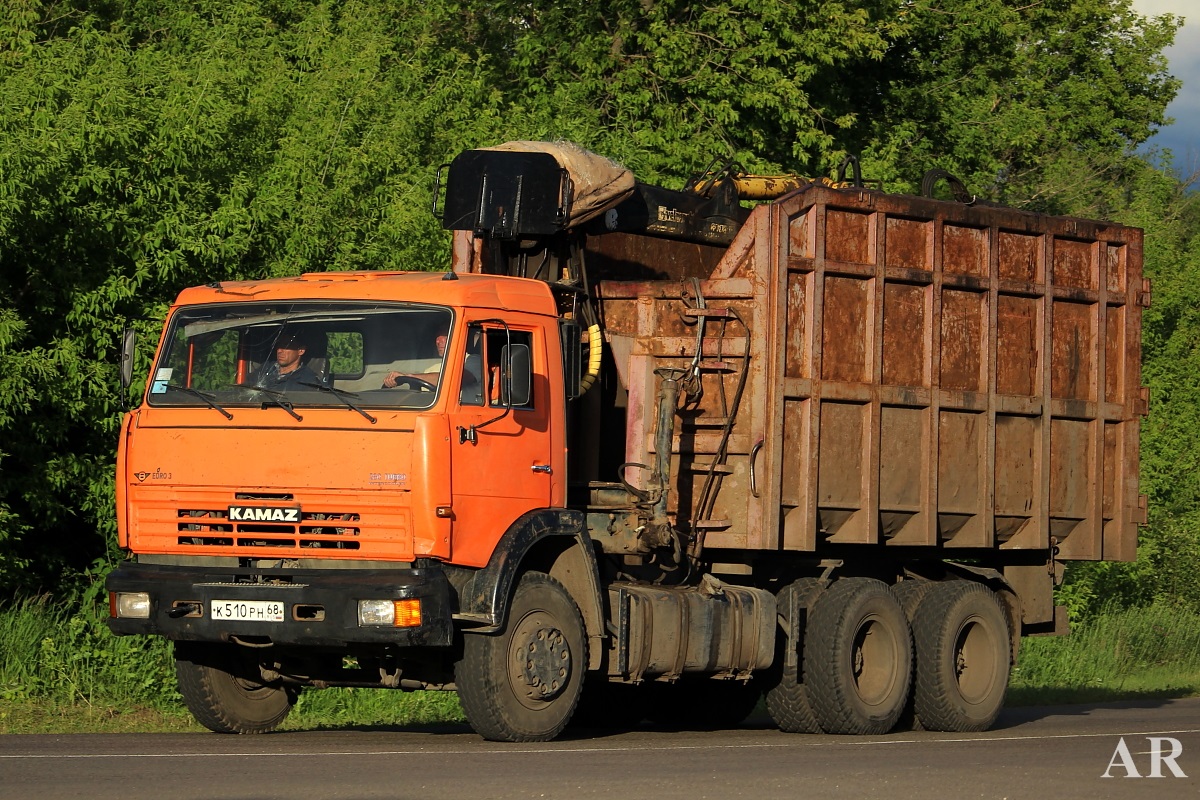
point(210, 527)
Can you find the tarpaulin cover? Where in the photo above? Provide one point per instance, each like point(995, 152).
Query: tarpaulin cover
point(597, 182)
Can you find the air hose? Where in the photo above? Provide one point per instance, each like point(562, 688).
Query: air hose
point(595, 349)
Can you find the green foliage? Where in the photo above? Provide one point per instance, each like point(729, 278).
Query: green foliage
point(147, 146)
point(1036, 105)
point(69, 657)
point(1168, 565)
point(1117, 653)
point(1171, 343)
point(669, 86)
point(336, 708)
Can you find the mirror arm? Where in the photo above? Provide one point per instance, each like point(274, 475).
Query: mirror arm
point(468, 434)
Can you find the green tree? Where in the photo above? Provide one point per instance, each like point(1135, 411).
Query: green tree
point(147, 145)
point(1168, 565)
point(1037, 105)
point(669, 86)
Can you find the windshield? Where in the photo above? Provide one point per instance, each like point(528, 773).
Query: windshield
point(302, 354)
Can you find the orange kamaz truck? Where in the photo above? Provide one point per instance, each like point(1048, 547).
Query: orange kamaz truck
point(642, 454)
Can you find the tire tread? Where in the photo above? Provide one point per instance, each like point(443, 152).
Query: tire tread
point(787, 697)
point(826, 656)
point(935, 699)
point(210, 695)
point(480, 687)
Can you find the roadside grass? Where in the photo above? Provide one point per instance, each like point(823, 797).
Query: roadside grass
point(1118, 654)
point(372, 708)
point(63, 672)
point(45, 716)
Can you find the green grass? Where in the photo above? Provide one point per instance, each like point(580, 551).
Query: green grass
point(373, 708)
point(1118, 654)
point(62, 672)
point(70, 659)
point(39, 715)
point(328, 709)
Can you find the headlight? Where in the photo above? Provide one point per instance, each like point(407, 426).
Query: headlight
point(393, 613)
point(130, 605)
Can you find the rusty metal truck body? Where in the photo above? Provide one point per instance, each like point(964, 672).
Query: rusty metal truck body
point(925, 380)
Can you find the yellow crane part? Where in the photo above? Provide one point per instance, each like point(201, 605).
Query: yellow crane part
point(771, 187)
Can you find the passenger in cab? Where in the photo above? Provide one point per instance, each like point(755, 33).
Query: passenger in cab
point(431, 375)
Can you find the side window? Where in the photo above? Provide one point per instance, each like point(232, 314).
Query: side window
point(213, 358)
point(472, 378)
point(346, 354)
point(484, 365)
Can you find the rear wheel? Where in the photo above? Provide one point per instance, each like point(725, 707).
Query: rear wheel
point(522, 684)
point(909, 593)
point(224, 689)
point(857, 658)
point(963, 657)
point(787, 696)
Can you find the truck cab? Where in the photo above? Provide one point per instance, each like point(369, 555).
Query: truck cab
point(314, 454)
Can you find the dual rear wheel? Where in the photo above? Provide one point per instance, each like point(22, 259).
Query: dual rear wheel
point(963, 657)
point(868, 654)
point(852, 671)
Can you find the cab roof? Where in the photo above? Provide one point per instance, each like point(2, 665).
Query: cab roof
point(442, 288)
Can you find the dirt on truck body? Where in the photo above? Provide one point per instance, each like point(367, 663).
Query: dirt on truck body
point(675, 452)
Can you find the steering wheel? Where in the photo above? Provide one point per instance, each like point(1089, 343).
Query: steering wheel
point(415, 384)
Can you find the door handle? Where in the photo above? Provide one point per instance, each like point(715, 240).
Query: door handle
point(541, 468)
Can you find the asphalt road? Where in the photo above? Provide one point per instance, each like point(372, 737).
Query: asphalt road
point(1060, 753)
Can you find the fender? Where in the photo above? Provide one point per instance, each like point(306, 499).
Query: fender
point(999, 583)
point(551, 540)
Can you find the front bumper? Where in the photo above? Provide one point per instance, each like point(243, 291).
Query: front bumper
point(321, 606)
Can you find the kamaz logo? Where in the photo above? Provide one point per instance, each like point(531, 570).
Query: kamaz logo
point(264, 514)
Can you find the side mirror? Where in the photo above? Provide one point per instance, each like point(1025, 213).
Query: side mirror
point(518, 374)
point(128, 349)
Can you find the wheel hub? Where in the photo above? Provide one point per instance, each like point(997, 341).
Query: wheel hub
point(546, 661)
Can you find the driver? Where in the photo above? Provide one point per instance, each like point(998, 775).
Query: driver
point(431, 376)
point(288, 370)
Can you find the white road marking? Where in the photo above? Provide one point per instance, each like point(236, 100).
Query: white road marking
point(548, 749)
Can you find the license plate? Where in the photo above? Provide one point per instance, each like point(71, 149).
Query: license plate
point(247, 610)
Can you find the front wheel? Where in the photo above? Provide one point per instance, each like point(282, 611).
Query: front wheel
point(522, 684)
point(224, 689)
point(963, 657)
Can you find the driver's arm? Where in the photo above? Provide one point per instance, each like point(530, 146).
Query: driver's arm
point(392, 378)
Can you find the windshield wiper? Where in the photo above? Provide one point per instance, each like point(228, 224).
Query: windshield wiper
point(278, 398)
point(343, 395)
point(206, 398)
